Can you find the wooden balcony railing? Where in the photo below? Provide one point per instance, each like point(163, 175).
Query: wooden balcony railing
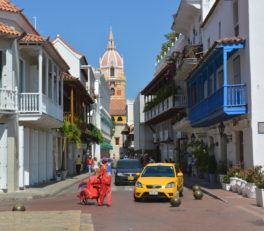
point(8, 99)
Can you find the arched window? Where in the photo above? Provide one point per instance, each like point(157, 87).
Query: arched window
point(119, 119)
point(112, 91)
point(112, 71)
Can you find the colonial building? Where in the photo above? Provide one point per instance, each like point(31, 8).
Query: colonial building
point(112, 66)
point(78, 101)
point(31, 102)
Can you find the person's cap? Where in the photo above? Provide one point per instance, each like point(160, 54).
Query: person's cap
point(104, 160)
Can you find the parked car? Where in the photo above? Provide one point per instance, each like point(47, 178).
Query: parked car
point(159, 180)
point(126, 171)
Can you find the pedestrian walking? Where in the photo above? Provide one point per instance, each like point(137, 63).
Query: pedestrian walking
point(78, 164)
point(90, 164)
point(105, 189)
point(151, 159)
point(96, 166)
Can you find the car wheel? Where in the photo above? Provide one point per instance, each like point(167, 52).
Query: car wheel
point(117, 183)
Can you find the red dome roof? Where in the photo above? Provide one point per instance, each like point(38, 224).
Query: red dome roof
point(111, 58)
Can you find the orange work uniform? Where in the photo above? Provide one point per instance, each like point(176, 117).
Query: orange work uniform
point(105, 190)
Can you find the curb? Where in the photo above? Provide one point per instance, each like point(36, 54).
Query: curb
point(206, 191)
point(23, 196)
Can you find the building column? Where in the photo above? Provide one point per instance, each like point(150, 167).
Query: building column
point(52, 82)
point(21, 142)
point(40, 65)
point(72, 105)
point(47, 77)
point(26, 156)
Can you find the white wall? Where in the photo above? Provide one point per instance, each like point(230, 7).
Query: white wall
point(255, 43)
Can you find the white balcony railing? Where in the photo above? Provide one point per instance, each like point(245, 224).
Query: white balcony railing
point(29, 102)
point(8, 99)
point(178, 45)
point(174, 101)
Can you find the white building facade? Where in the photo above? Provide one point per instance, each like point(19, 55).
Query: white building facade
point(31, 103)
point(225, 87)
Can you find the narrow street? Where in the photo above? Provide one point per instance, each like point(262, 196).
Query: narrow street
point(125, 214)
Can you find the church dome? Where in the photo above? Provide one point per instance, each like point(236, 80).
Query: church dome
point(111, 57)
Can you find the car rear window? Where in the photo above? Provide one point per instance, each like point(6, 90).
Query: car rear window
point(158, 171)
point(128, 165)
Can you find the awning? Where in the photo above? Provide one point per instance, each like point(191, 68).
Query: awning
point(105, 145)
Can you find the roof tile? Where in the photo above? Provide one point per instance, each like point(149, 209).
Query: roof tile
point(33, 38)
point(117, 107)
point(4, 29)
point(6, 5)
point(229, 40)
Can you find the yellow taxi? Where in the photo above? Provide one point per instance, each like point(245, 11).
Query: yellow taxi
point(159, 180)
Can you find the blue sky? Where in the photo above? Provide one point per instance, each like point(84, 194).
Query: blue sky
point(138, 26)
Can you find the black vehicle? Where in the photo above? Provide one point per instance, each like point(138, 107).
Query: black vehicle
point(126, 171)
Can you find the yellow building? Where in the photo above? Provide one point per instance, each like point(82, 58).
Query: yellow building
point(112, 66)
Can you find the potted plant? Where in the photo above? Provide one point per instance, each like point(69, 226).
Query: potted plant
point(251, 174)
point(259, 181)
point(226, 183)
point(232, 173)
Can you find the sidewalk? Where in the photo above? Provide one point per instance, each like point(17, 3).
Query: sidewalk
point(229, 198)
point(45, 191)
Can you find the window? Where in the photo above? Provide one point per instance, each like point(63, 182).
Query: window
point(205, 89)
point(208, 43)
point(236, 70)
point(50, 79)
point(219, 30)
point(119, 119)
point(1, 68)
point(194, 96)
point(235, 17)
point(211, 84)
point(117, 140)
point(112, 91)
point(55, 85)
point(21, 75)
point(112, 71)
point(220, 80)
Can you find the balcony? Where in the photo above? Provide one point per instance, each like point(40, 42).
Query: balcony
point(8, 99)
point(165, 109)
point(178, 45)
point(38, 105)
point(225, 103)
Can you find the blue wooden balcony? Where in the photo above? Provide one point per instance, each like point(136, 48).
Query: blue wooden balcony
point(223, 104)
point(213, 96)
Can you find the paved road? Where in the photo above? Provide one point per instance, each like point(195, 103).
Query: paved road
point(125, 214)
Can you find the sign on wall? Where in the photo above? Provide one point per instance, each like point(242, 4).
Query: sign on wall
point(261, 127)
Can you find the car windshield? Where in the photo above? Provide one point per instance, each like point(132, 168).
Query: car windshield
point(158, 171)
point(128, 164)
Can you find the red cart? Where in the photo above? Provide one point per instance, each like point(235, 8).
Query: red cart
point(89, 189)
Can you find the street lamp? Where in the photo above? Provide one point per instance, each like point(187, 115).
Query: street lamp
point(221, 129)
point(193, 138)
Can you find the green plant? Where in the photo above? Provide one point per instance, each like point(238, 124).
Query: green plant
point(201, 154)
point(166, 45)
point(70, 132)
point(259, 181)
point(253, 173)
point(226, 179)
point(233, 172)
